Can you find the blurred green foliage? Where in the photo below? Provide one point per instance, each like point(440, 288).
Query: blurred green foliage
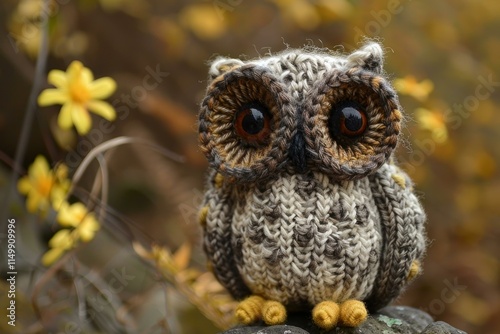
point(443, 57)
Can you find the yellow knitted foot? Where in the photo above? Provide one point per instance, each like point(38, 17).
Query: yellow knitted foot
point(353, 313)
point(249, 310)
point(326, 314)
point(273, 313)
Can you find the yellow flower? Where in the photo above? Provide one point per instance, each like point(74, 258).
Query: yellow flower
point(78, 93)
point(203, 21)
point(434, 122)
point(24, 26)
point(81, 225)
point(30, 9)
point(409, 86)
point(44, 187)
point(301, 12)
point(76, 215)
point(62, 241)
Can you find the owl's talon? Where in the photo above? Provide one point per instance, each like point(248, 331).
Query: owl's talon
point(353, 313)
point(326, 314)
point(273, 313)
point(249, 310)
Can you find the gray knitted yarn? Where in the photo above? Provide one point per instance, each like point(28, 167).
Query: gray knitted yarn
point(298, 208)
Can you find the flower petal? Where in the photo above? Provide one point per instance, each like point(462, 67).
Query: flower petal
point(39, 168)
point(74, 70)
point(87, 75)
point(65, 120)
point(57, 196)
point(51, 256)
point(81, 119)
point(86, 235)
point(33, 202)
point(24, 185)
point(61, 171)
point(62, 239)
point(65, 216)
point(88, 228)
point(103, 109)
point(58, 78)
point(79, 211)
point(102, 88)
point(72, 215)
point(52, 96)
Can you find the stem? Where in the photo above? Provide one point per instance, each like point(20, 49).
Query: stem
point(31, 107)
point(112, 143)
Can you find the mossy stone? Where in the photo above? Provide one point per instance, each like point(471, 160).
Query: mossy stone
point(389, 320)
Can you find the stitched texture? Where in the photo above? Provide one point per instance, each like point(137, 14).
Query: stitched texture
point(307, 213)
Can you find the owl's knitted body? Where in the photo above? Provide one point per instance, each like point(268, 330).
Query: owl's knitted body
point(301, 239)
point(304, 205)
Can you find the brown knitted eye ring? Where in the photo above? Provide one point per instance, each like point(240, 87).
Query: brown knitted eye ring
point(340, 156)
point(225, 149)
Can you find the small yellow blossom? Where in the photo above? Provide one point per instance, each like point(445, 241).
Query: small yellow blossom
point(301, 12)
point(44, 187)
point(62, 241)
point(78, 93)
point(76, 215)
point(80, 225)
point(409, 86)
point(30, 9)
point(202, 19)
point(434, 122)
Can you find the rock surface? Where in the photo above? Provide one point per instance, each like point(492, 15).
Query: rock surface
point(389, 320)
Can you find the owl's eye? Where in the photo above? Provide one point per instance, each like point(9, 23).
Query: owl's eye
point(253, 124)
point(348, 119)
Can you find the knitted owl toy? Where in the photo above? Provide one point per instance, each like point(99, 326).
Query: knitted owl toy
point(304, 207)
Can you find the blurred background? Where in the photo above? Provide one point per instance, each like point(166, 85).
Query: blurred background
point(144, 272)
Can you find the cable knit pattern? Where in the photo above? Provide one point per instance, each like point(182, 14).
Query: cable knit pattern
point(308, 215)
point(317, 241)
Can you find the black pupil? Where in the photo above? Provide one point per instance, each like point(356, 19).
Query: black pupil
point(253, 122)
point(352, 119)
point(346, 120)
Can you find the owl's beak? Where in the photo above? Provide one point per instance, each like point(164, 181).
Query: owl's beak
point(297, 152)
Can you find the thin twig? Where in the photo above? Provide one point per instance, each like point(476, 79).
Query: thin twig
point(23, 65)
point(103, 288)
point(16, 169)
point(36, 327)
point(161, 324)
point(51, 271)
point(95, 190)
point(80, 295)
point(104, 180)
point(112, 143)
point(165, 298)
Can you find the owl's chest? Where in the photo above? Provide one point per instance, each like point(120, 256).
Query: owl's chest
point(304, 239)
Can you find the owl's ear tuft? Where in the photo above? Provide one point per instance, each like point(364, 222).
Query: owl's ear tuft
point(370, 57)
point(221, 65)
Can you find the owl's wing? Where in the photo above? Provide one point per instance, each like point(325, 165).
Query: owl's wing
point(218, 207)
point(402, 226)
